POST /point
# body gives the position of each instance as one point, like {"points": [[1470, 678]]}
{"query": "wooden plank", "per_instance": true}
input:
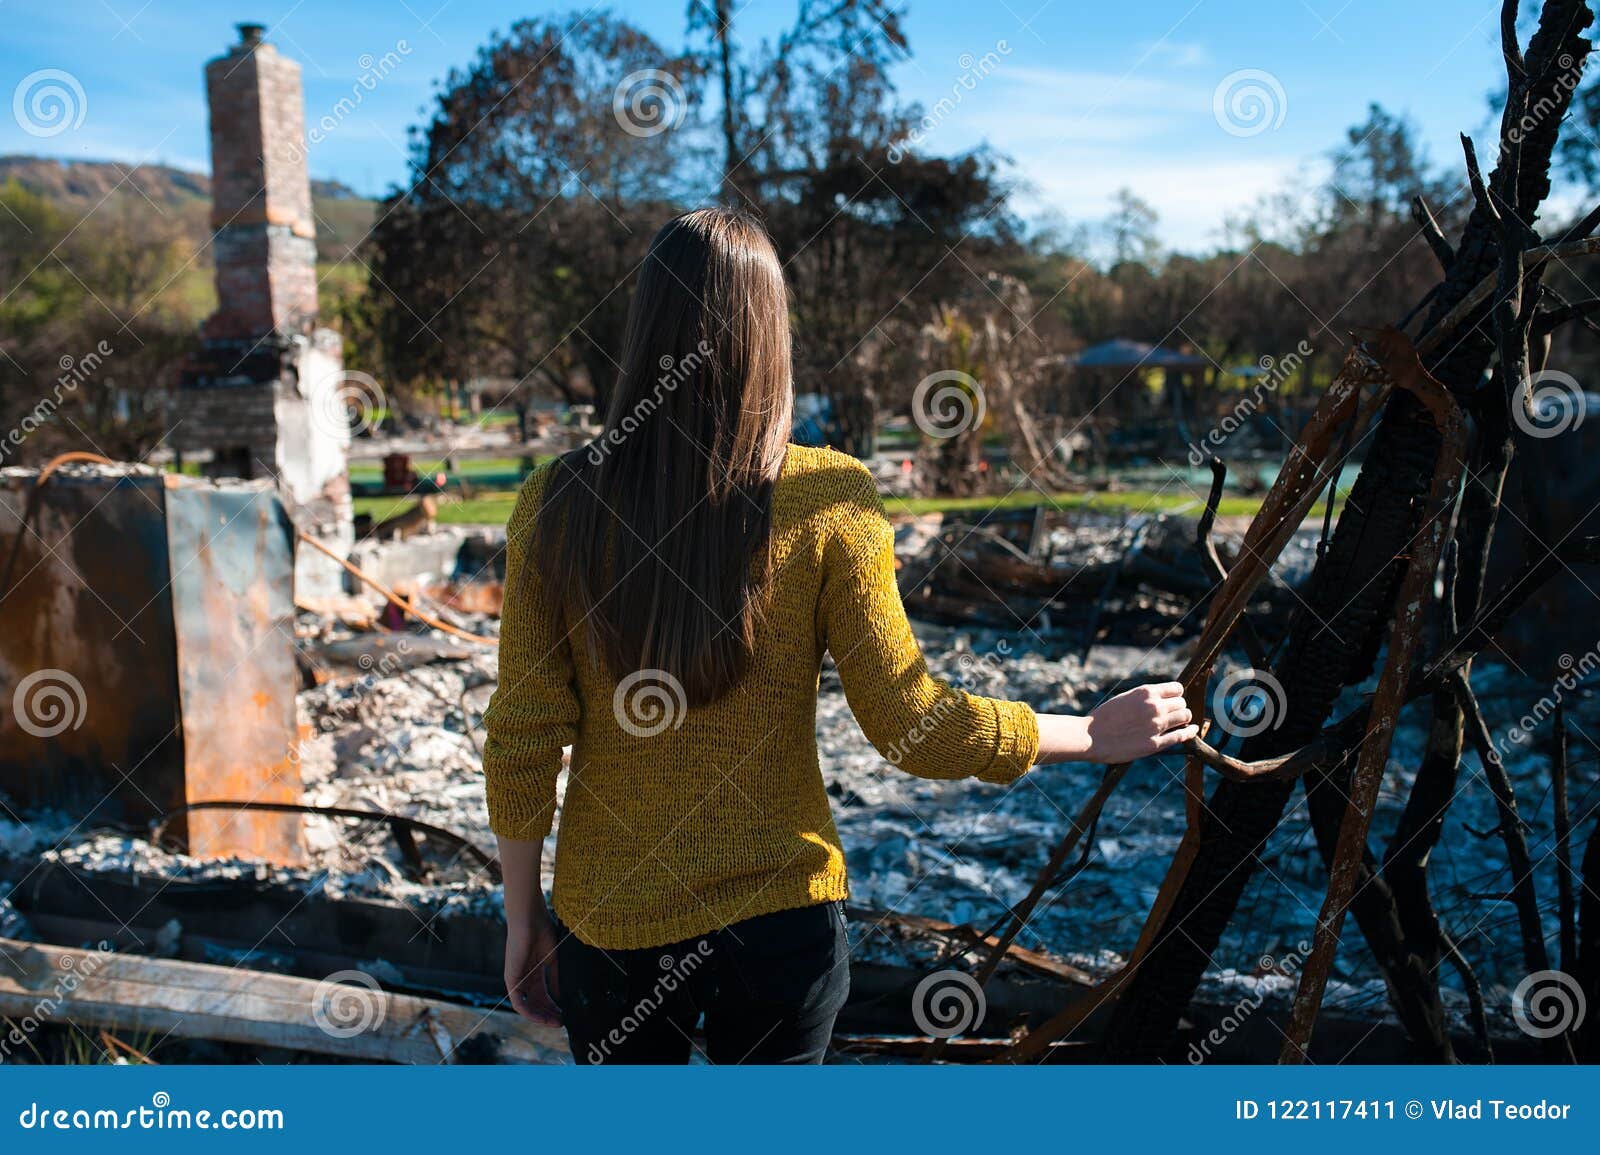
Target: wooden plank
{"points": [[454, 954], [198, 1000]]}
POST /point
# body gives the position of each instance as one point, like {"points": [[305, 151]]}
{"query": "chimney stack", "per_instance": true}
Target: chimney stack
{"points": [[265, 234], [264, 394]]}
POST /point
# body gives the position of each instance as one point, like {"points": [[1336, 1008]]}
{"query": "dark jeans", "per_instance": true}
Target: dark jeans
{"points": [[769, 988]]}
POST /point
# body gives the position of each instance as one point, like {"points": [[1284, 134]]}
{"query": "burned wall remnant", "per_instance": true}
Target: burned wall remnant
{"points": [[266, 395], [150, 646]]}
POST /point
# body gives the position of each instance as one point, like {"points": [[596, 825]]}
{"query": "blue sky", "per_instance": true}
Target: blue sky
{"points": [[1085, 97]]}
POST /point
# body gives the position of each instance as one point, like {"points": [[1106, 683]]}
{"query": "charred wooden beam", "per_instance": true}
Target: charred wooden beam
{"points": [[1352, 591], [1313, 460], [1284, 768], [1565, 909], [1249, 639], [1350, 857], [1432, 233], [1534, 955], [1421, 825], [1587, 968]]}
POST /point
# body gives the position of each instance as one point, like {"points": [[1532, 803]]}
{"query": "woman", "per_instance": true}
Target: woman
{"points": [[671, 590]]}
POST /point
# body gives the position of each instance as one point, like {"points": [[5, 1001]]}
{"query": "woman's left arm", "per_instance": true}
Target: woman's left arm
{"points": [[932, 729]]}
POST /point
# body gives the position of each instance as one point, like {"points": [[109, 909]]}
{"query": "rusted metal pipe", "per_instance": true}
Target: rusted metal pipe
{"points": [[395, 822]]}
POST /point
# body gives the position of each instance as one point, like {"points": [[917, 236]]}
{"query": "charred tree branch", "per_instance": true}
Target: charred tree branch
{"points": [[1535, 957], [1432, 233]]}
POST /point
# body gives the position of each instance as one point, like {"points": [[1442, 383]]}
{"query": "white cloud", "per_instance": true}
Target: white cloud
{"points": [[1191, 54], [1193, 196], [1087, 133]]}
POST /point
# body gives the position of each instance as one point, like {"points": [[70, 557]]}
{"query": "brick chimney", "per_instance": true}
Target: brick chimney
{"points": [[265, 234], [263, 395]]}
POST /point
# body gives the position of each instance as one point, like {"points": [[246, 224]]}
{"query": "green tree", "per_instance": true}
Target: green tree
{"points": [[536, 185]]}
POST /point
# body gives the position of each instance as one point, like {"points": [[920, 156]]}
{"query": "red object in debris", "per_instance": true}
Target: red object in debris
{"points": [[392, 617], [905, 466]]}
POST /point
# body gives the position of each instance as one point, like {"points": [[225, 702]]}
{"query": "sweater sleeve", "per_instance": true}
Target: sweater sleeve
{"points": [[534, 710], [924, 726]]}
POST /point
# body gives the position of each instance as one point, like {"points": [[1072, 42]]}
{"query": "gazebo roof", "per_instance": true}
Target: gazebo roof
{"points": [[1125, 354]]}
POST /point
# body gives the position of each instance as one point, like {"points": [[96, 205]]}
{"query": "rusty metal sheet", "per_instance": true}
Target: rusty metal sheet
{"points": [[88, 685], [230, 549], [146, 655]]}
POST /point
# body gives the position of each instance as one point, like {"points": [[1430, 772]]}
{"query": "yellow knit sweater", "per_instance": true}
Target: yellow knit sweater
{"points": [[675, 824]]}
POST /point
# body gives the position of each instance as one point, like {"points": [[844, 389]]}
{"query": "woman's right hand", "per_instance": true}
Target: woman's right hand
{"points": [[1139, 722], [530, 956], [530, 932]]}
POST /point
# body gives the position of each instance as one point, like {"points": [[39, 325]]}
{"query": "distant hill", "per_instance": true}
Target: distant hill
{"points": [[77, 187]]}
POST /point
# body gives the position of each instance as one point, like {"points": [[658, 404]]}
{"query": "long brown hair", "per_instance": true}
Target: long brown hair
{"points": [[655, 535]]}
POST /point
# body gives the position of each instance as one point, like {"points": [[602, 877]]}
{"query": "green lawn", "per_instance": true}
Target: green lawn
{"points": [[495, 508], [1122, 501], [470, 468], [484, 509]]}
